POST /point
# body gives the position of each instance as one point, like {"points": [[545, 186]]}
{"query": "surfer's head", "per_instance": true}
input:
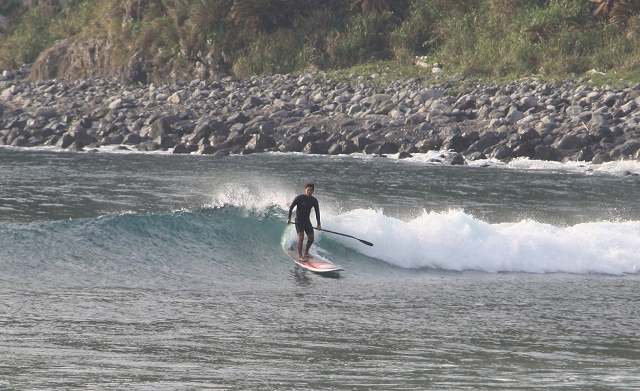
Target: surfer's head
{"points": [[309, 188]]}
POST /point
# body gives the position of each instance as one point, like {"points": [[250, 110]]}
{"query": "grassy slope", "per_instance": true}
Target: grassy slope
{"points": [[483, 39]]}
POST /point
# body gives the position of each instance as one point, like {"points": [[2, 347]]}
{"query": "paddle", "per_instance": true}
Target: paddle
{"points": [[349, 236], [338, 233]]}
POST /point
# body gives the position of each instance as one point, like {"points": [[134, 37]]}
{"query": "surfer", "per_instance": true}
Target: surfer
{"points": [[303, 204]]}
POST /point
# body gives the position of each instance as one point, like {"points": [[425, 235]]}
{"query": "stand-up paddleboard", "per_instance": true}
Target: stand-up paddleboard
{"points": [[314, 264]]}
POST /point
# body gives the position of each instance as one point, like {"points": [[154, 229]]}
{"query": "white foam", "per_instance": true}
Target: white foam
{"points": [[618, 167], [257, 197], [457, 241]]}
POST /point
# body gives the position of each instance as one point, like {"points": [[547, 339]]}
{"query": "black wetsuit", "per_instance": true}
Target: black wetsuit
{"points": [[303, 206]]}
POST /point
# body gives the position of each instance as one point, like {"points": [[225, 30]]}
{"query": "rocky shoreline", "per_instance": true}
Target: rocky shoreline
{"points": [[566, 121]]}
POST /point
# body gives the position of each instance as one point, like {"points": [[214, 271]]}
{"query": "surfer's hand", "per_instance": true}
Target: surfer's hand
{"points": [[288, 221], [319, 227]]}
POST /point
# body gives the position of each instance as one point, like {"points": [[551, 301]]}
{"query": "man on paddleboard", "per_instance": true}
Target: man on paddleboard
{"points": [[303, 204]]}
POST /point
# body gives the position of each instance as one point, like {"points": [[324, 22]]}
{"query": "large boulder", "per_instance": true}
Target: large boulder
{"points": [[291, 145], [261, 142], [388, 147], [572, 141], [163, 126]]}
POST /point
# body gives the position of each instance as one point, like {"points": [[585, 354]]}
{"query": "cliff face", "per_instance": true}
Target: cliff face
{"points": [[75, 59], [82, 59]]}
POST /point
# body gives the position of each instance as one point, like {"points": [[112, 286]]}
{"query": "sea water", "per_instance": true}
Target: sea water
{"points": [[127, 271]]}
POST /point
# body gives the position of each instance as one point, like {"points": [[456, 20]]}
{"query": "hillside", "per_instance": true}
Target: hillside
{"points": [[142, 41]]}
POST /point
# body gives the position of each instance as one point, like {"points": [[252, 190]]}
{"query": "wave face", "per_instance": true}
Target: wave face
{"points": [[230, 244], [132, 248]]}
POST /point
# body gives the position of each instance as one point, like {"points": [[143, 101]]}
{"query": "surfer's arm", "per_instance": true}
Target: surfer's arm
{"points": [[293, 204], [316, 207]]}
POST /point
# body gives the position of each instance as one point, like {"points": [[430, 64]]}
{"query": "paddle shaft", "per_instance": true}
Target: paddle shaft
{"points": [[349, 236]]}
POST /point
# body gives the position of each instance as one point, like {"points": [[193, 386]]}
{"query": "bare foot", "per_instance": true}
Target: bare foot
{"points": [[307, 255]]}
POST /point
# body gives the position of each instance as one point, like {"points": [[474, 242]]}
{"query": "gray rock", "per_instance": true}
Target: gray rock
{"points": [[291, 145], [131, 139], [317, 148], [238, 118], [502, 152], [544, 152], [163, 126], [514, 115], [65, 141], [625, 150], [80, 136], [261, 142], [484, 142], [572, 141], [601, 157], [348, 147], [456, 159], [388, 147], [113, 138], [47, 112], [455, 143]]}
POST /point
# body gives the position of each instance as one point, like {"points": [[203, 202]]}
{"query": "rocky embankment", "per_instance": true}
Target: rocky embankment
{"points": [[300, 113]]}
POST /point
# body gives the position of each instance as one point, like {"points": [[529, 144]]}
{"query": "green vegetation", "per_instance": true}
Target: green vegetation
{"points": [[483, 39]]}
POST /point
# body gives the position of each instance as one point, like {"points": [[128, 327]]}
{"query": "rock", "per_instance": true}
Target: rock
{"points": [[514, 115], [47, 112], [348, 147], [601, 157], [65, 141], [572, 141], [415, 119], [163, 126], [166, 141], [388, 147], [261, 142], [180, 148], [238, 118], [543, 152], [291, 145], [114, 138], [455, 159], [335, 149], [625, 150], [207, 150], [80, 136], [116, 104], [501, 153], [253, 101], [585, 155], [177, 98], [184, 127], [431, 94], [317, 148], [455, 143], [475, 156], [487, 141], [131, 139]]}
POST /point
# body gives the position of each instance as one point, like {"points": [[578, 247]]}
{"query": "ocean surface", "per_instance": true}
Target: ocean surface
{"points": [[131, 271]]}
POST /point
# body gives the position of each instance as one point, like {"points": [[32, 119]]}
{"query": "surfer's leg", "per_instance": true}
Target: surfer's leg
{"points": [[310, 238], [300, 240]]}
